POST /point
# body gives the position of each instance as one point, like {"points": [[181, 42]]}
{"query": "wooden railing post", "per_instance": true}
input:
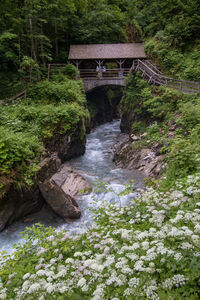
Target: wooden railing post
{"points": [[49, 66], [181, 85]]}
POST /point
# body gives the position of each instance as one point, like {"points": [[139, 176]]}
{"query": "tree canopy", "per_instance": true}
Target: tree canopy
{"points": [[43, 30]]}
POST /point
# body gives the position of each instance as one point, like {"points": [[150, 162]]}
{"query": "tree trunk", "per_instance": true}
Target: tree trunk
{"points": [[33, 50], [42, 46], [56, 39]]}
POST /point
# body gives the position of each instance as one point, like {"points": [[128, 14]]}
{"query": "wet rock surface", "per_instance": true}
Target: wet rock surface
{"points": [[72, 183], [147, 160], [59, 192]]}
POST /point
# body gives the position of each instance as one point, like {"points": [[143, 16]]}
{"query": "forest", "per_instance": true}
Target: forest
{"points": [[36, 32], [149, 249]]}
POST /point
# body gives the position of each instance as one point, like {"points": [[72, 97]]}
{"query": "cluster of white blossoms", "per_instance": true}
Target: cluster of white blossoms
{"points": [[141, 251], [3, 290]]}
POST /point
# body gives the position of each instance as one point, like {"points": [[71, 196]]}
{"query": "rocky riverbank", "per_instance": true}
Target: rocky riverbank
{"points": [[129, 153], [18, 202]]}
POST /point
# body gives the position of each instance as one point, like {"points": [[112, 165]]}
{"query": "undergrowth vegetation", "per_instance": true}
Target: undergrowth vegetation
{"points": [[169, 119], [148, 250], [183, 64], [26, 126]]}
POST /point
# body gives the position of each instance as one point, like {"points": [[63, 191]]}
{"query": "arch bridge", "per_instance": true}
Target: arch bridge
{"points": [[108, 64], [105, 64], [92, 78]]}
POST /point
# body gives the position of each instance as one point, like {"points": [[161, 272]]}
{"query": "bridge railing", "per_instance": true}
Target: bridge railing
{"points": [[20, 95], [156, 77], [108, 73]]}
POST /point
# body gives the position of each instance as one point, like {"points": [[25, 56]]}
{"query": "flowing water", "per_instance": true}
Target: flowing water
{"points": [[95, 164]]}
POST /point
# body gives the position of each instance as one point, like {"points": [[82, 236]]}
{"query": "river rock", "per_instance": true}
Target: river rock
{"points": [[59, 192], [63, 204], [134, 137], [18, 203], [147, 160]]}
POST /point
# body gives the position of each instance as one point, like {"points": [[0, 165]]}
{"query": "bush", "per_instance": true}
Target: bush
{"points": [[183, 155], [54, 92], [190, 114], [28, 124], [71, 72]]}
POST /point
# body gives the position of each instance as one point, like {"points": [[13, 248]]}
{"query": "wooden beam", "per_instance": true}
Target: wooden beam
{"points": [[120, 62]]}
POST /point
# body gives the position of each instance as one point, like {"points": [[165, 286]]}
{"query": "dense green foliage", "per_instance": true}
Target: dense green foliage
{"points": [[25, 126], [36, 32], [160, 112]]}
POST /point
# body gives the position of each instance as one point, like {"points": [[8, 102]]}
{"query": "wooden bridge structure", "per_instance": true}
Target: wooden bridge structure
{"points": [[128, 58], [109, 64]]}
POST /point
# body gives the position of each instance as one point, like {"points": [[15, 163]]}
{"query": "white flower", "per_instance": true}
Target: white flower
{"points": [[197, 228], [145, 245], [49, 288], [26, 276], [178, 256], [41, 273], [78, 254], [186, 246], [3, 296], [51, 238], [138, 265], [127, 292], [125, 234], [178, 280], [53, 260], [69, 260], [132, 256], [11, 275], [134, 282], [98, 293], [96, 267], [41, 251], [34, 288], [84, 288], [81, 282], [168, 284], [26, 285]]}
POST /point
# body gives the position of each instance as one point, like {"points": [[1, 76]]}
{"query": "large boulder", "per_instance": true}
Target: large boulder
{"points": [[59, 192], [17, 203]]}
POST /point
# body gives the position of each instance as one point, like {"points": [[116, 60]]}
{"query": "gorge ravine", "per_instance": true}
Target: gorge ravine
{"points": [[95, 164]]}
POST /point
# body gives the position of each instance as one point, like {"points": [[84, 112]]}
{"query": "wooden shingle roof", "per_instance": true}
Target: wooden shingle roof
{"points": [[107, 51]]}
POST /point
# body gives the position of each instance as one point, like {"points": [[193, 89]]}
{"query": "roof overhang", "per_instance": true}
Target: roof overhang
{"points": [[107, 51]]}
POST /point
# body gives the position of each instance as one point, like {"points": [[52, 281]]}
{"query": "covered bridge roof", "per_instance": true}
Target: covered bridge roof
{"points": [[107, 51]]}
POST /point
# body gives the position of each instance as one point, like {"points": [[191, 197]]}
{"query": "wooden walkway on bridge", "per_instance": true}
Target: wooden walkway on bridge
{"points": [[92, 79]]}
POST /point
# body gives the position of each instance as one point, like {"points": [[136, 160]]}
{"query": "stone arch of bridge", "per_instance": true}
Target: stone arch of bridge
{"points": [[90, 85]]}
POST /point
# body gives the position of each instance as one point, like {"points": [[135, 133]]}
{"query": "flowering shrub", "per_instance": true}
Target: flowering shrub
{"points": [[149, 250]]}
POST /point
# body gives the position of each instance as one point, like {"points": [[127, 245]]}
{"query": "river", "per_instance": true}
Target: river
{"points": [[95, 164]]}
